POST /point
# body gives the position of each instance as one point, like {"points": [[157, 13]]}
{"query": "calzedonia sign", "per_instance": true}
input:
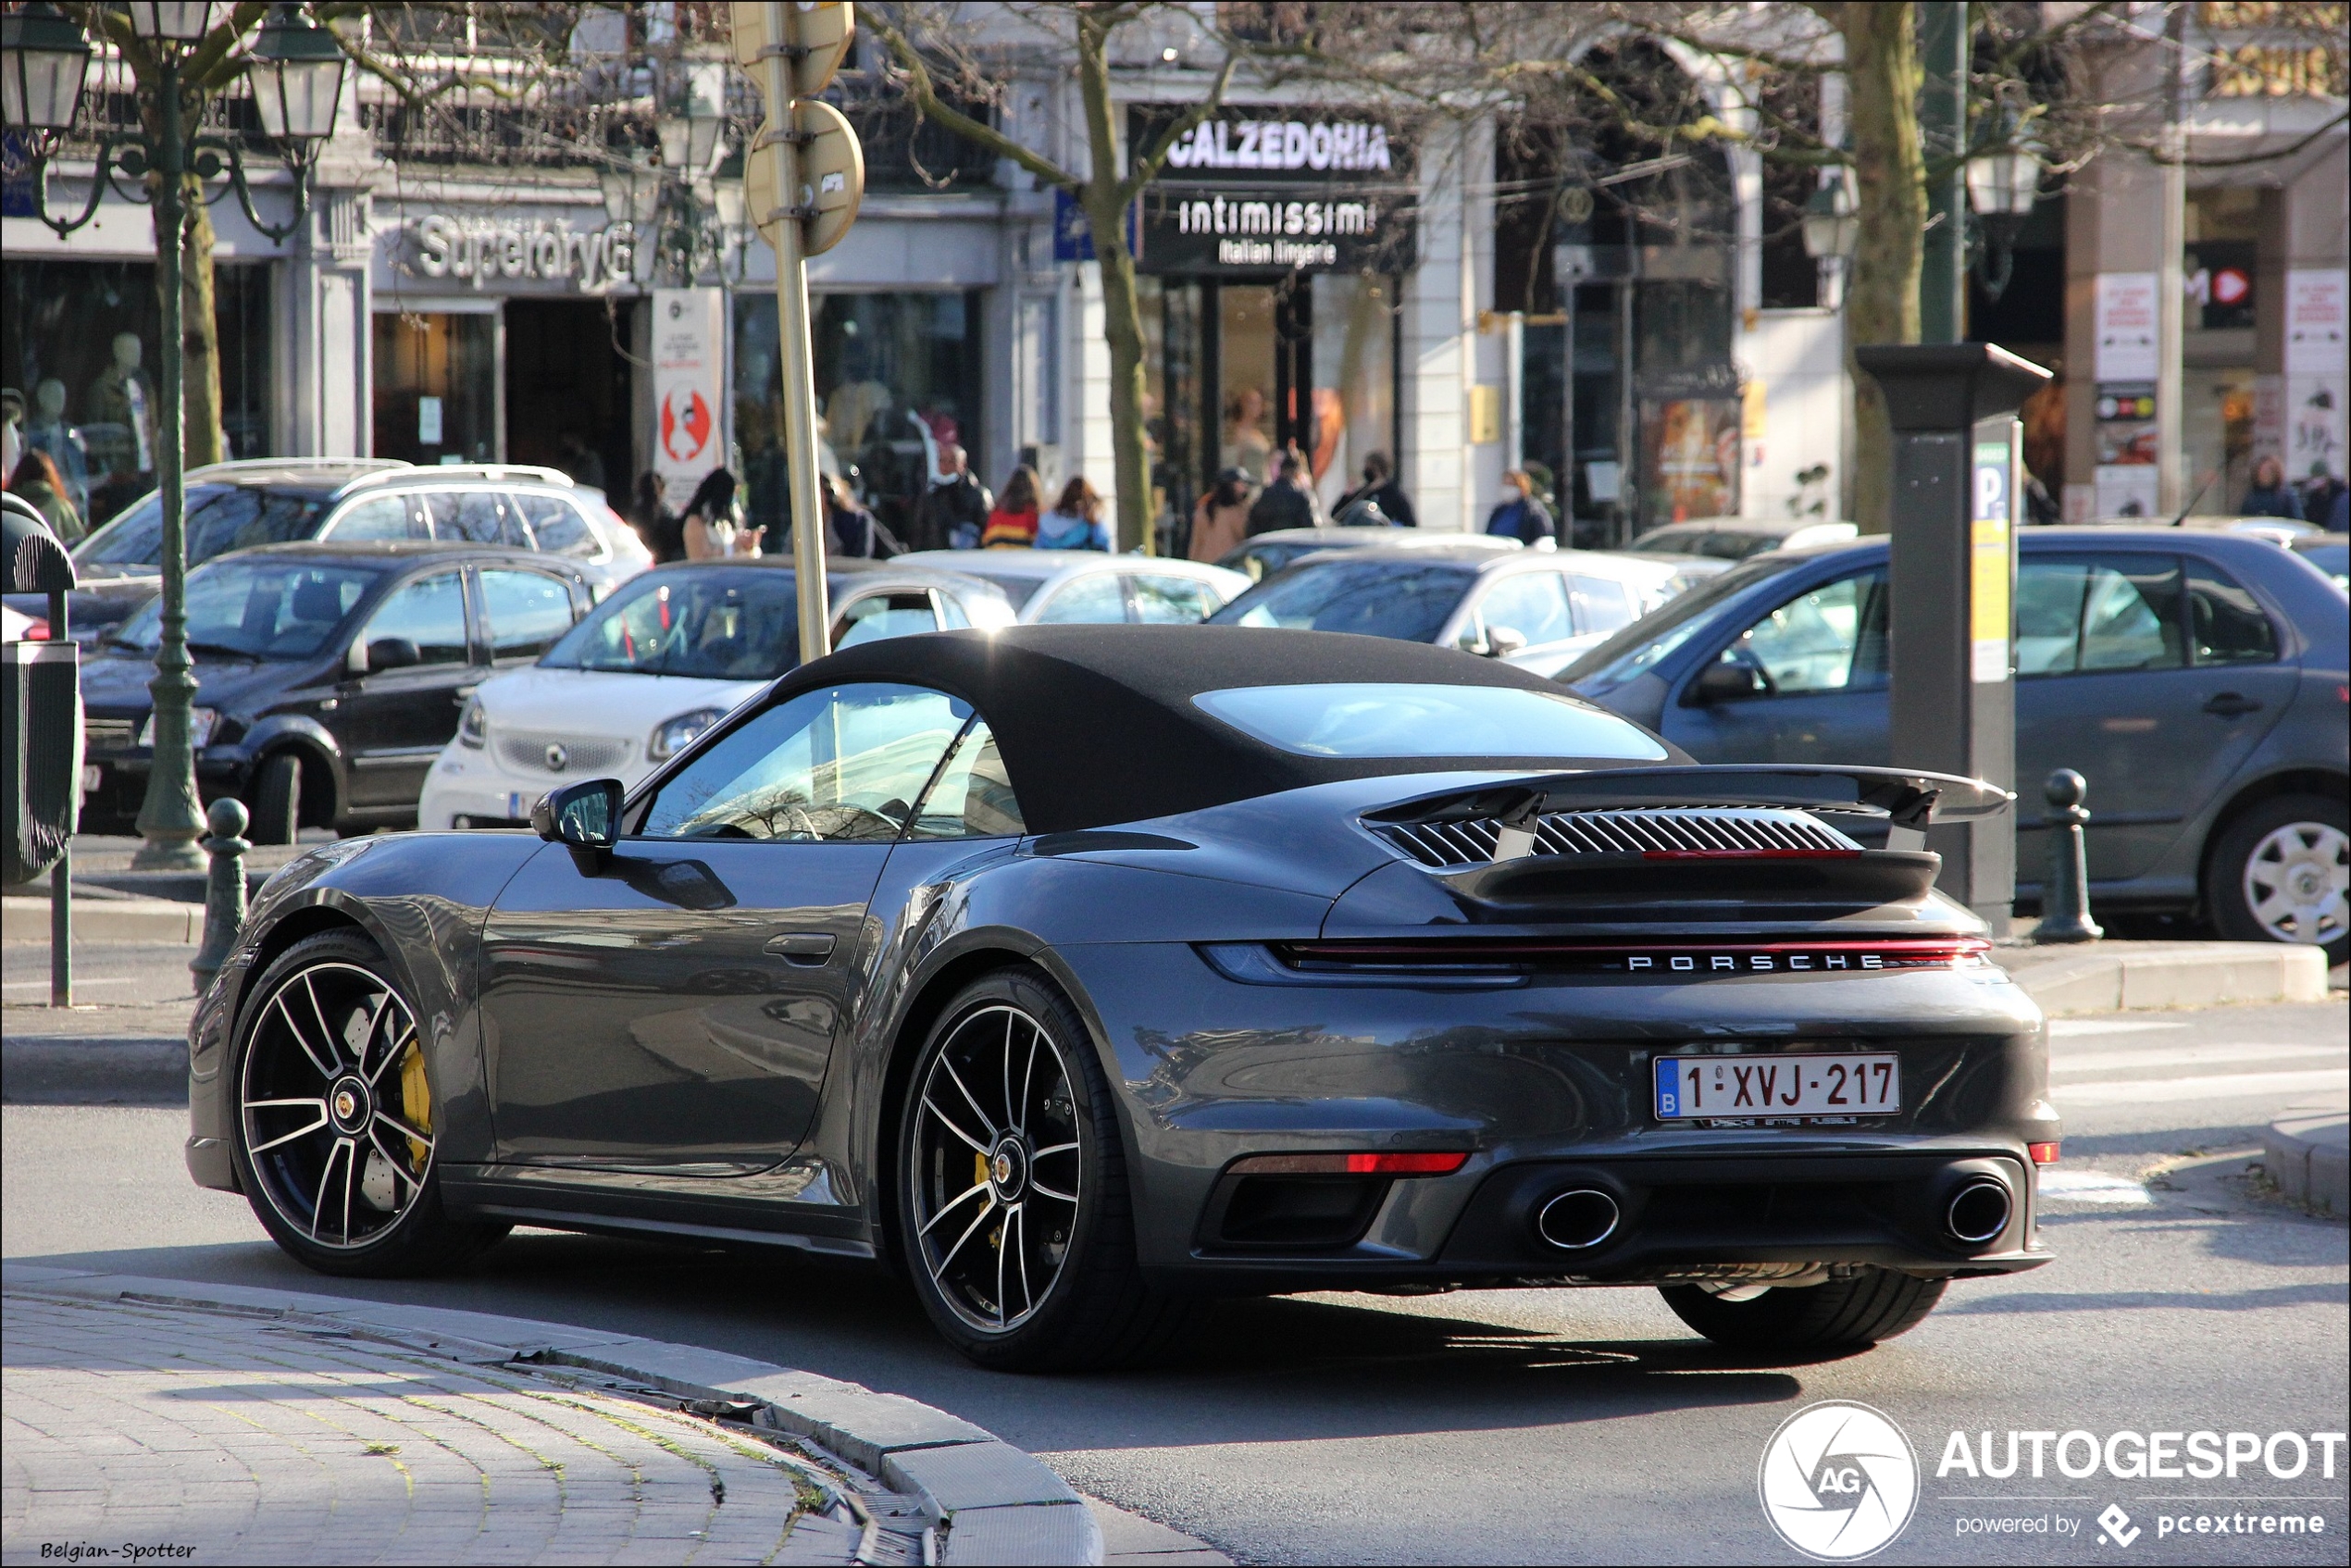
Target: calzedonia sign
{"points": [[1270, 189]]}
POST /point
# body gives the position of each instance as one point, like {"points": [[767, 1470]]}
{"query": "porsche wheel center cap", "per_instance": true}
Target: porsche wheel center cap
{"points": [[347, 1104], [1008, 1169]]}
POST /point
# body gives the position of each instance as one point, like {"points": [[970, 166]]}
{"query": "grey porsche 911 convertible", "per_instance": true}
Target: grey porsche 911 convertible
{"points": [[1086, 974]]}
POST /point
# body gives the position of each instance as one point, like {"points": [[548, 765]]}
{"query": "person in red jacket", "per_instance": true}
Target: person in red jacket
{"points": [[1013, 524]]}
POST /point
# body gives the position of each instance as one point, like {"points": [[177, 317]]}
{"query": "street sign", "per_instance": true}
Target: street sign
{"points": [[820, 33], [832, 177]]}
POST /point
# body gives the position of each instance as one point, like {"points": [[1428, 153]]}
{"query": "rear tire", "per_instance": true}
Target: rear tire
{"points": [[1842, 1314], [2278, 875], [277, 799], [332, 1122], [1014, 1219]]}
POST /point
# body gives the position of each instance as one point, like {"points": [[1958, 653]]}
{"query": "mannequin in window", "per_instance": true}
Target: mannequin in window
{"points": [[47, 431], [122, 396]]}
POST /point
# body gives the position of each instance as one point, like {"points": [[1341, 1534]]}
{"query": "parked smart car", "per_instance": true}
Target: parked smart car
{"points": [[2196, 680], [1264, 555], [278, 500], [1087, 587], [328, 676], [1536, 609], [663, 660]]}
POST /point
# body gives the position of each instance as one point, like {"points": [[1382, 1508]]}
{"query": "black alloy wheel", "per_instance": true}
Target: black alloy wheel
{"points": [[1840, 1315], [334, 1135], [1012, 1204]]}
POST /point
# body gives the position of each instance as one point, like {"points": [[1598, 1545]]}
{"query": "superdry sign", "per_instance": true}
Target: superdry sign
{"points": [[1259, 190]]}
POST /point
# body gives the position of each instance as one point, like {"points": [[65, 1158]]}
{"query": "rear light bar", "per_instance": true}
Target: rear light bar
{"points": [[1642, 958], [2043, 1153], [1349, 1164]]}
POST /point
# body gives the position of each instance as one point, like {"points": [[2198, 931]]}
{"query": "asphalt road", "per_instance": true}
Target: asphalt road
{"points": [[1529, 1426]]}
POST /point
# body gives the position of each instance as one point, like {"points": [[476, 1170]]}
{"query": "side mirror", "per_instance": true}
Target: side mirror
{"points": [[1721, 683], [1501, 641], [384, 653], [585, 817]]}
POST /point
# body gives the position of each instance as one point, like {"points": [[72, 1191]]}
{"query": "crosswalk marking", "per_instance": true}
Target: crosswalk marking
{"points": [[2094, 1186], [2190, 1056], [2225, 1086]]}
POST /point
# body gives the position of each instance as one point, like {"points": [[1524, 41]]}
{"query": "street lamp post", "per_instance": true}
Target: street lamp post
{"points": [[295, 71]]}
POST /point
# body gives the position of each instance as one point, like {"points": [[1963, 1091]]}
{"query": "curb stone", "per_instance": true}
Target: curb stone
{"points": [[978, 1499], [100, 1070], [26, 920], [2303, 1151]]}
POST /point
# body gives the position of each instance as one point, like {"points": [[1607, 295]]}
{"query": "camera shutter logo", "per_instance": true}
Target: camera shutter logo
{"points": [[1838, 1481]]}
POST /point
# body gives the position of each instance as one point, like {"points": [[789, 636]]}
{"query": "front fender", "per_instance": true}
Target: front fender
{"points": [[275, 731]]}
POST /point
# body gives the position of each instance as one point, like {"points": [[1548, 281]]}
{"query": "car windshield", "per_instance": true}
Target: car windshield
{"points": [[1401, 598], [720, 624], [221, 518], [257, 609], [1642, 645], [1361, 719], [2331, 557], [1719, 545]]}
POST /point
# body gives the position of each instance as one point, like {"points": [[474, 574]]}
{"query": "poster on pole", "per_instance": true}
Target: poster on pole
{"points": [[2126, 327], [690, 440]]}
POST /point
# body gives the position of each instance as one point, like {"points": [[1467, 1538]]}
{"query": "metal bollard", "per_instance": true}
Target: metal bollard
{"points": [[2065, 888], [224, 896]]}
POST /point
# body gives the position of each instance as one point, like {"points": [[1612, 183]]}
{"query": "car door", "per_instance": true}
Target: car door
{"points": [[393, 720], [524, 613], [1809, 686], [1166, 599], [1532, 604], [2152, 676], [477, 516], [674, 1006], [1094, 599], [891, 612]]}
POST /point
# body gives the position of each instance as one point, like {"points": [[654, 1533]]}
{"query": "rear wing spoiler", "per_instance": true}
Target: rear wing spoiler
{"points": [[1907, 798]]}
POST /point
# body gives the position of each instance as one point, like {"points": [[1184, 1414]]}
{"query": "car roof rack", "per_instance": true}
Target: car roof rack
{"points": [[524, 471], [264, 464]]}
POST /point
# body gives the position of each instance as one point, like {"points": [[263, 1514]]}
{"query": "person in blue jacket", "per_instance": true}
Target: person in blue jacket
{"points": [[1519, 515]]}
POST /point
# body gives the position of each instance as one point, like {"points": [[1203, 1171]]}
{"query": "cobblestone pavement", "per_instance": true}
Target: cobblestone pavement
{"points": [[256, 1440]]}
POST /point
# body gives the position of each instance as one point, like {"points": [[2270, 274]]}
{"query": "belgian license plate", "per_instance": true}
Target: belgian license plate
{"points": [[1690, 1086]]}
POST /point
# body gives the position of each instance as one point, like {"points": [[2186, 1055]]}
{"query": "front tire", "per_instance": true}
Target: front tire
{"points": [[334, 1133], [1013, 1215], [1842, 1314], [2279, 873], [277, 799]]}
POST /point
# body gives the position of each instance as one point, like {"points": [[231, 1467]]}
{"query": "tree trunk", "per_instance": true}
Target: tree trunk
{"points": [[1882, 298], [1122, 317], [199, 337]]}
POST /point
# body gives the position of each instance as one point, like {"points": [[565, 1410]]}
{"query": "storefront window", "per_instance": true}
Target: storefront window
{"points": [[78, 339], [1171, 312], [1354, 379], [897, 380], [1245, 360], [436, 387]]}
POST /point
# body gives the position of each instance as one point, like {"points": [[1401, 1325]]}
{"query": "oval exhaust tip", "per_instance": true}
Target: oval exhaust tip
{"points": [[1979, 1211], [1577, 1219]]}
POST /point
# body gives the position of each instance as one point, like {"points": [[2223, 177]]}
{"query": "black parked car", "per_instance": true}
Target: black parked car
{"points": [[1082, 972], [2195, 678], [329, 676]]}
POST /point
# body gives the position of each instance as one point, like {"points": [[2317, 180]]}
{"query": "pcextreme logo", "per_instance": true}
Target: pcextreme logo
{"points": [[1838, 1481]]}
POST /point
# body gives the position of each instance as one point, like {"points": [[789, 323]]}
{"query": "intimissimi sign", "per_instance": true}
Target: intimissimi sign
{"points": [[1254, 190]]}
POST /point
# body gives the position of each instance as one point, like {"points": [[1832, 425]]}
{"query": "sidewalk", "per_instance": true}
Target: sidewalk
{"points": [[269, 1426]]}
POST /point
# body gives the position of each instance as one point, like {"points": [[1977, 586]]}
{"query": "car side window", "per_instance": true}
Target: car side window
{"points": [[2081, 614], [1532, 604], [477, 516], [381, 516], [883, 614], [972, 797], [1173, 601], [1830, 638], [845, 764], [429, 612], [1602, 603], [528, 610], [558, 526], [1097, 599], [2227, 623]]}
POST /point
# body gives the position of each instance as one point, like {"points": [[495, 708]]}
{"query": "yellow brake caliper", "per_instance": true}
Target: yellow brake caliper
{"points": [[416, 1099], [979, 1178]]}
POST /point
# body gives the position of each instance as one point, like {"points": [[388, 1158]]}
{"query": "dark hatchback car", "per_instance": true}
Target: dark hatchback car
{"points": [[329, 676], [2197, 680]]}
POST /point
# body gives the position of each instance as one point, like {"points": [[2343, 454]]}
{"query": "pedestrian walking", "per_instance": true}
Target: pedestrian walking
{"points": [[1379, 489], [1220, 520], [1075, 521], [2270, 495], [2320, 493], [714, 523], [1519, 515], [851, 527], [1287, 503], [661, 530], [1012, 524], [37, 482], [953, 512]]}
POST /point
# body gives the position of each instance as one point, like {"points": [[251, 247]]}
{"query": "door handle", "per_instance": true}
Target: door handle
{"points": [[2229, 704], [811, 948]]}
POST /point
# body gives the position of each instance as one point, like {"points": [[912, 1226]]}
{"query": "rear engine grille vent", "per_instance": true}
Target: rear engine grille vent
{"points": [[1670, 830]]}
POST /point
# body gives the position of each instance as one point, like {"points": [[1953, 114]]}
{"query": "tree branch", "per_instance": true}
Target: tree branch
{"points": [[927, 99]]}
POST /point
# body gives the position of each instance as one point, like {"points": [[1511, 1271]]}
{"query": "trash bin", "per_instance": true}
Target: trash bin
{"points": [[43, 702]]}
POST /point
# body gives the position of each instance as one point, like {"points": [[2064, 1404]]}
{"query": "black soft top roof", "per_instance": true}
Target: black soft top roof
{"points": [[1097, 725]]}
